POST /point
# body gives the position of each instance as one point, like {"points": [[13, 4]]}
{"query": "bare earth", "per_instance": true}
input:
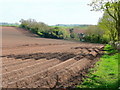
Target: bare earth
{"points": [[33, 62]]}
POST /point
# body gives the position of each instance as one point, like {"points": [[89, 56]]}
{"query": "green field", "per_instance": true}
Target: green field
{"points": [[10, 25], [67, 27]]}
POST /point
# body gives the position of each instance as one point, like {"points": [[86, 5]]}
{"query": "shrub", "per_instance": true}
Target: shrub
{"points": [[57, 33], [33, 26], [110, 49], [44, 30], [95, 35]]}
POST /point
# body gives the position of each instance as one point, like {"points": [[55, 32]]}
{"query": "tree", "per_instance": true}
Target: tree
{"points": [[107, 23], [71, 30], [107, 6], [95, 34], [72, 33], [33, 25]]}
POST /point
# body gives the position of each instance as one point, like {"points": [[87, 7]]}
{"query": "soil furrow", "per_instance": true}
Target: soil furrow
{"points": [[29, 64], [56, 80], [45, 73], [59, 76], [18, 65], [6, 60], [17, 62], [28, 71]]}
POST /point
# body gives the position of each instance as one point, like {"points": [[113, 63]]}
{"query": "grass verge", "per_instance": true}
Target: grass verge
{"points": [[105, 72]]}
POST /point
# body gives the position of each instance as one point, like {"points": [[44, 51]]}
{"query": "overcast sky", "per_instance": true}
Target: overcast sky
{"points": [[49, 11]]}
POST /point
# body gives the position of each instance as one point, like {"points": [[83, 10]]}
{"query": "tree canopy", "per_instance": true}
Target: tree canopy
{"points": [[112, 8]]}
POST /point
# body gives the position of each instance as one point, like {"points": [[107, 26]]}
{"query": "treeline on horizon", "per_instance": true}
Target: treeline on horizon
{"points": [[43, 30], [61, 25], [8, 24], [92, 33], [106, 31]]}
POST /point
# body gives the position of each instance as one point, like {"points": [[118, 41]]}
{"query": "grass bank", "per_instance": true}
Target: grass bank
{"points": [[105, 72]]}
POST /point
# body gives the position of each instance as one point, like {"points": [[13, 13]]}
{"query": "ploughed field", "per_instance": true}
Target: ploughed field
{"points": [[32, 62]]}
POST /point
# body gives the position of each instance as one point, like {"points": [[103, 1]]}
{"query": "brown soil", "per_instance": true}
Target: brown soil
{"points": [[33, 62]]}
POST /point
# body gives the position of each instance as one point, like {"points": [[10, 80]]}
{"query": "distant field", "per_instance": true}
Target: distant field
{"points": [[80, 27], [77, 29], [9, 25]]}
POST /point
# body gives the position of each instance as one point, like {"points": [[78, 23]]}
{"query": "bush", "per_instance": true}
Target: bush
{"points": [[33, 26], [95, 39], [57, 33], [115, 44], [110, 49], [96, 35], [44, 30]]}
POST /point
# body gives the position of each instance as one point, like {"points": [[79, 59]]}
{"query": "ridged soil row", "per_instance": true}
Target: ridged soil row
{"points": [[6, 60], [86, 51], [14, 62], [29, 70], [22, 68], [59, 77], [18, 65], [28, 80]]}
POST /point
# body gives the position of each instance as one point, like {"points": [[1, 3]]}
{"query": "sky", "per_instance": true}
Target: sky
{"points": [[50, 12]]}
